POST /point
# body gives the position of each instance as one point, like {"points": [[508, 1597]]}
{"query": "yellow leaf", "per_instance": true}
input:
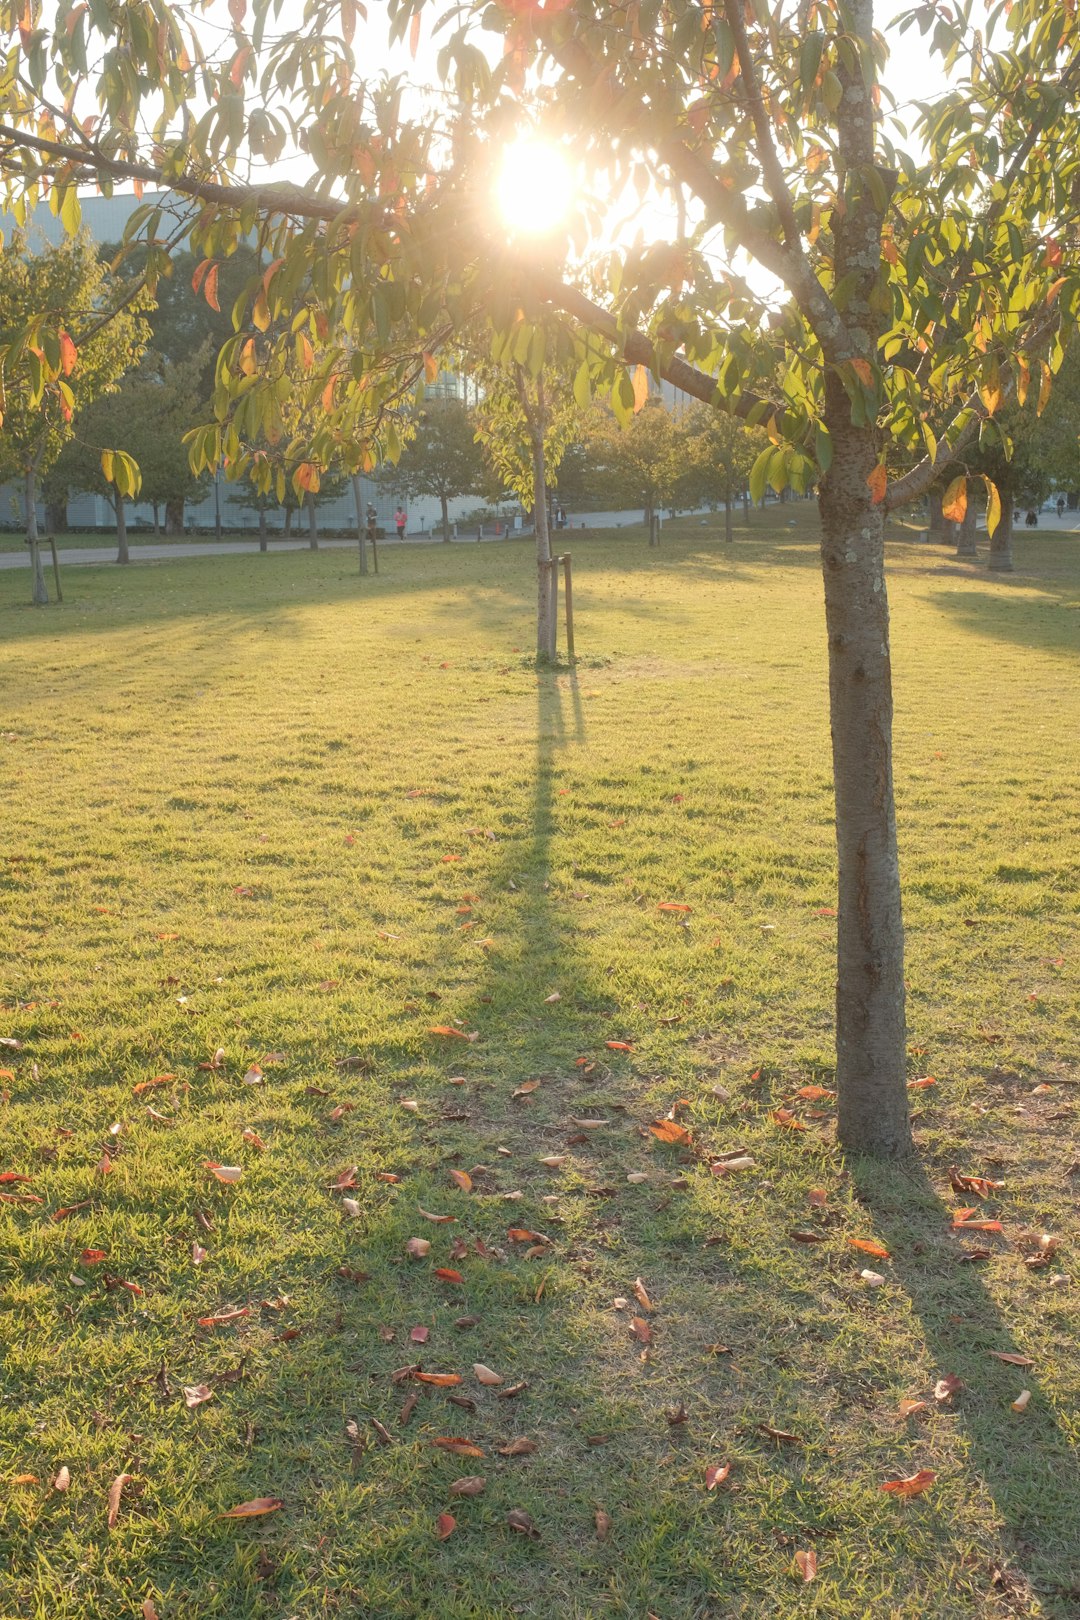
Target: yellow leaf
{"points": [[1044, 388], [993, 506], [954, 500], [1023, 381], [641, 387]]}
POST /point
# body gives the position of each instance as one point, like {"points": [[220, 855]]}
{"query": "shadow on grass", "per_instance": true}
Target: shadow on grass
{"points": [[1026, 1462]]}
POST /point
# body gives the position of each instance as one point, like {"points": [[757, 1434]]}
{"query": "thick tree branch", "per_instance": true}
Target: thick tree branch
{"points": [[792, 268], [775, 184]]}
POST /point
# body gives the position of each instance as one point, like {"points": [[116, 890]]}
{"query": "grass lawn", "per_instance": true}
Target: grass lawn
{"points": [[257, 804]]}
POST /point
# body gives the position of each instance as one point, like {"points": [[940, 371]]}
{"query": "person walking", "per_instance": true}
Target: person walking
{"points": [[401, 518]]}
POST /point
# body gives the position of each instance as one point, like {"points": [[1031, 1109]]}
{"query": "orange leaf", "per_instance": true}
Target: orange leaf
{"points": [[210, 288], [641, 1329], [148, 1085], [448, 1274], [470, 1485], [669, 1130], [877, 482], [962, 1222], [807, 1562], [716, 1475], [437, 1220], [784, 1117], [414, 35], [640, 379], [228, 1173], [115, 1491], [439, 1380], [92, 1257], [908, 1408], [618, 1046], [913, 1485], [673, 905], [448, 1029], [224, 1316], [460, 1448], [445, 1525], [252, 1510], [818, 1197], [461, 1179], [864, 371], [814, 1093], [869, 1247], [1013, 1360], [954, 501], [69, 354], [431, 368]]}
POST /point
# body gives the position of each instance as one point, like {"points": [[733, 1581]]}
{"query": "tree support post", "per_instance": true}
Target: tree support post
{"points": [[568, 597], [55, 566]]}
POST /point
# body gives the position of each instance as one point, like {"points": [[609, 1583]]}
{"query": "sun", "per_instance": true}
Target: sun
{"points": [[534, 187]]}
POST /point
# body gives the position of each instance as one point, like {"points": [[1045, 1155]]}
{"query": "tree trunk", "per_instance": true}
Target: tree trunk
{"points": [[39, 589], [122, 553], [746, 503], [313, 524], [55, 516], [288, 522], [728, 531], [965, 533], [545, 574], [361, 522], [174, 517], [157, 517], [445, 518], [1001, 560], [262, 529], [870, 1045], [936, 528]]}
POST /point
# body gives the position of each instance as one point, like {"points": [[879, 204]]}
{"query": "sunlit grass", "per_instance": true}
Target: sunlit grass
{"points": [[272, 760]]}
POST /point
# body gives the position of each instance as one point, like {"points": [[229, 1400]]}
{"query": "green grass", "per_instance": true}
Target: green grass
{"points": [[227, 752]]}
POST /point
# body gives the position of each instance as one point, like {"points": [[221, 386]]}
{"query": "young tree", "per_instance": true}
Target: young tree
{"points": [[719, 452], [442, 458], [915, 286], [645, 459], [67, 339]]}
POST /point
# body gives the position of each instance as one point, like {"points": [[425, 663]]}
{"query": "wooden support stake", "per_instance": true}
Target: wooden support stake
{"points": [[568, 591], [55, 567]]}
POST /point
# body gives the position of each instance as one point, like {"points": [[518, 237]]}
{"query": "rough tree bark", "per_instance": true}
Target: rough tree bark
{"points": [[174, 517], [872, 1104], [39, 590], [1001, 559], [122, 553], [965, 533]]}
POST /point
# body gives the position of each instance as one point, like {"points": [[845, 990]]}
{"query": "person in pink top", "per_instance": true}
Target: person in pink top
{"points": [[401, 517]]}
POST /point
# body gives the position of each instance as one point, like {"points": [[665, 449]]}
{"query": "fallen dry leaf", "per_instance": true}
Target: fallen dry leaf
{"points": [[468, 1485], [913, 1485], [603, 1524], [1011, 1358], [521, 1521], [93, 1257], [908, 1408], [868, 1246], [149, 1612], [784, 1117], [641, 1329], [197, 1395], [807, 1562], [554, 1160], [253, 1509], [669, 1130], [782, 1436], [445, 1525], [417, 1248], [115, 1492], [979, 1185], [252, 1136], [351, 1208], [526, 1088], [448, 1274], [224, 1316], [716, 1474], [461, 1179], [1021, 1401], [148, 1085], [438, 1380], [419, 1335], [641, 1296], [459, 1446], [818, 1197], [484, 1375], [962, 1222], [228, 1173], [517, 1448], [618, 1046], [673, 905], [62, 1478]]}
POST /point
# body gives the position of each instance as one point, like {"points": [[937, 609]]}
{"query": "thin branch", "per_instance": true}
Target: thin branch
{"points": [[775, 183]]}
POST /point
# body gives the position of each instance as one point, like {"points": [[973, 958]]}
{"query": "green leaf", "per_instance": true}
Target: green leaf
{"points": [[758, 473], [582, 389]]}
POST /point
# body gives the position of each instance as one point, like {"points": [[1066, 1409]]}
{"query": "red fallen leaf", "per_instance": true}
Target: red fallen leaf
{"points": [[524, 1234], [716, 1474], [468, 1485], [979, 1185], [118, 1282], [448, 1274], [229, 1173], [868, 1246], [439, 1380], [148, 1085], [459, 1446], [445, 1525], [818, 1197], [345, 1180], [641, 1295], [511, 1391], [784, 1117], [922, 1083], [69, 1209], [197, 1395], [21, 1198], [618, 1046], [526, 1087], [669, 1130], [947, 1387], [641, 1329], [149, 1612], [386, 1175], [814, 1093], [673, 905], [970, 1255], [913, 1485], [92, 1257], [438, 1220], [825, 911], [224, 1316], [521, 1521], [1013, 1360], [962, 1222], [253, 1509], [461, 1179], [808, 1237], [448, 1029], [807, 1562], [115, 1492], [419, 1335], [8, 1176]]}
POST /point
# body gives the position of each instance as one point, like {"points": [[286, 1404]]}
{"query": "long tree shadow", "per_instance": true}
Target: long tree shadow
{"points": [[1027, 1462]]}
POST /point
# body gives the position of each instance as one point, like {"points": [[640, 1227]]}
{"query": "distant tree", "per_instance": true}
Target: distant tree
{"points": [[644, 459], [718, 452], [89, 330], [442, 458]]}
